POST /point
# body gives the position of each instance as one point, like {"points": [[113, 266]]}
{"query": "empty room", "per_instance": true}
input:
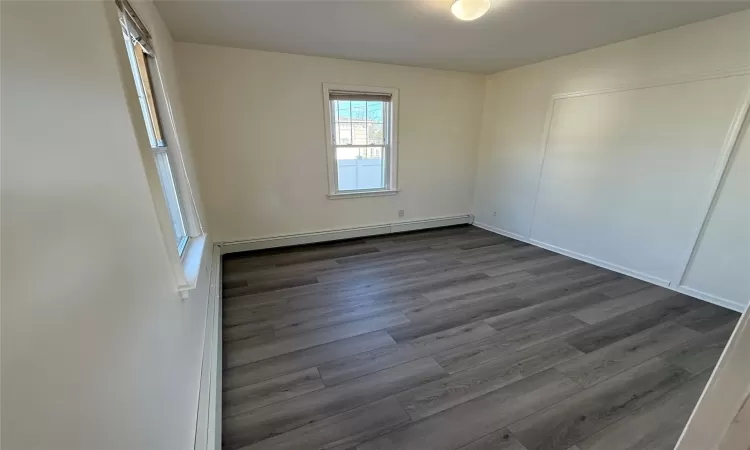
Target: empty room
{"points": [[374, 224]]}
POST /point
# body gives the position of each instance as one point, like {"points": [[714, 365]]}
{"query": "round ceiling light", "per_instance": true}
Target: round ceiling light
{"points": [[470, 9]]}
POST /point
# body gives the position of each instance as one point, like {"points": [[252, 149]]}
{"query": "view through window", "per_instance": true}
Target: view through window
{"points": [[360, 135]]}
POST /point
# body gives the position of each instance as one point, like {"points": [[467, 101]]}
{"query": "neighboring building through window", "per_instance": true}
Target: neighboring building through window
{"points": [[143, 66], [361, 127]]}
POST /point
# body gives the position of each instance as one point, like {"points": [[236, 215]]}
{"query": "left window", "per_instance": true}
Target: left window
{"points": [[143, 67]]}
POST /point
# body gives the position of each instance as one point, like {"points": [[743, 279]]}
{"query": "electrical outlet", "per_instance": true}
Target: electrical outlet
{"points": [[494, 214], [401, 213]]}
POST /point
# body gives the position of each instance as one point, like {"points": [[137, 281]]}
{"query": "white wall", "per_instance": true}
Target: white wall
{"points": [[98, 349], [622, 204], [256, 121]]}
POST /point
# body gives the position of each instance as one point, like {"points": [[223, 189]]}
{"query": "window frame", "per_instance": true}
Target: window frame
{"points": [[143, 66], [390, 145], [187, 255], [155, 111]]}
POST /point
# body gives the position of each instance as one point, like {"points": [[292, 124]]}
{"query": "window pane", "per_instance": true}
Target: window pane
{"points": [[359, 111], [359, 133], [343, 133], [143, 86], [170, 195], [375, 112], [359, 168], [344, 109], [375, 133]]}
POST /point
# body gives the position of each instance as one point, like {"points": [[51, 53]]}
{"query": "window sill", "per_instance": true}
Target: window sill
{"points": [[343, 195], [191, 264]]}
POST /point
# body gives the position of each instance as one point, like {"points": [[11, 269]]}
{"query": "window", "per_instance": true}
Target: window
{"points": [[143, 66], [361, 137]]}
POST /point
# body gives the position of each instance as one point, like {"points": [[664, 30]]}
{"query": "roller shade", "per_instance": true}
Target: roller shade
{"points": [[134, 27], [359, 96]]}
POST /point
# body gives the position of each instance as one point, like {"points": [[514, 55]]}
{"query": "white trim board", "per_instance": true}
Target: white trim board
{"points": [[730, 138], [208, 421], [616, 268], [730, 141], [287, 240]]}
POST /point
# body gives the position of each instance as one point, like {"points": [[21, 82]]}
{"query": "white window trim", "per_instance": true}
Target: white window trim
{"points": [[186, 257], [391, 185]]}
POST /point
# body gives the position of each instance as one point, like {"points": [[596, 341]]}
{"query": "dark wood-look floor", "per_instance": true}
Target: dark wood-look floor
{"points": [[456, 338]]}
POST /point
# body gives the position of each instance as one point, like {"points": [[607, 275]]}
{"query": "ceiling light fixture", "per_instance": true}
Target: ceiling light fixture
{"points": [[470, 9]]}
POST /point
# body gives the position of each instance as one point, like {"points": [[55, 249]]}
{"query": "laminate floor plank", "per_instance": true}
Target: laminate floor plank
{"points": [[478, 285], [335, 253], [422, 235], [286, 327], [343, 289], [247, 374], [267, 273], [509, 340], [499, 440], [506, 255], [249, 333], [591, 368], [708, 317], [380, 269], [267, 286], [578, 417], [253, 396], [559, 266], [702, 352], [514, 293], [240, 352], [626, 286], [620, 305], [442, 394], [476, 418], [388, 288], [434, 324], [527, 264], [510, 286], [279, 317], [354, 366], [544, 310], [342, 431], [290, 256], [485, 242], [455, 338], [259, 424], [655, 427], [630, 323], [577, 284]]}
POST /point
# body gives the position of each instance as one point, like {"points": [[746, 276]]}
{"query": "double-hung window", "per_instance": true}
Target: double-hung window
{"points": [[361, 125], [143, 66]]}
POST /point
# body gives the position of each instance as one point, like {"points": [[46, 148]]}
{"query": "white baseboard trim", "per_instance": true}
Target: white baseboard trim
{"points": [[604, 264], [208, 424], [615, 268], [726, 303], [341, 233]]}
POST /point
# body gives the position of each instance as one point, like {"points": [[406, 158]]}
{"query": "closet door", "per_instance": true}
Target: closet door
{"points": [[627, 175], [720, 267]]}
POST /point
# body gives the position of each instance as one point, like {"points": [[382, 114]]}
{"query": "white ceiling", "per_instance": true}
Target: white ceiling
{"points": [[424, 33]]}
